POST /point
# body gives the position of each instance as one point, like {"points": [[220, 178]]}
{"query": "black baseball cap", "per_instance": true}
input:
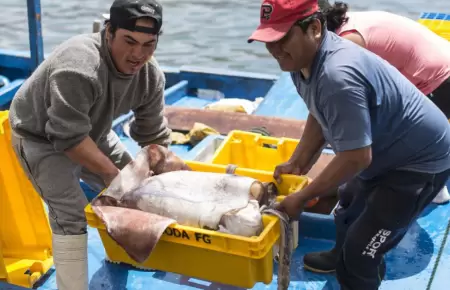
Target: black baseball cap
{"points": [[124, 14]]}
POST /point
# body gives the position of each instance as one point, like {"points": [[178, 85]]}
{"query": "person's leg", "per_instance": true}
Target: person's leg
{"points": [[351, 203], [441, 98], [54, 177], [390, 209], [112, 147]]}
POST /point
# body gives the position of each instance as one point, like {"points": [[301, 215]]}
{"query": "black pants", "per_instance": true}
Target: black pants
{"points": [[441, 97], [372, 218]]}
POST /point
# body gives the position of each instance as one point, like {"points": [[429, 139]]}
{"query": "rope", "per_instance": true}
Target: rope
{"points": [[441, 249], [260, 130], [285, 252], [231, 168], [286, 240]]}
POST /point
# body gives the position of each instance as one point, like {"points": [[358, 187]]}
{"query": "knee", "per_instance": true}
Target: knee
{"points": [[68, 221], [65, 227]]}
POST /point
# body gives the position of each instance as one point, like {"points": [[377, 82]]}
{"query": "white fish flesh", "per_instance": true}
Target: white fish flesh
{"points": [[201, 199]]}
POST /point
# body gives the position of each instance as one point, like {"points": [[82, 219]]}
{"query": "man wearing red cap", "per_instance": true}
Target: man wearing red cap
{"points": [[392, 144], [62, 117]]}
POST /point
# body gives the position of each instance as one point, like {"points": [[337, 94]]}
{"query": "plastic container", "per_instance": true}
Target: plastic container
{"points": [[437, 22], [255, 151], [25, 234], [205, 254]]}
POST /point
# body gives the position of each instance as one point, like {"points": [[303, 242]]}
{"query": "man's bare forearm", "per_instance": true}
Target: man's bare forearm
{"points": [[310, 145], [91, 157], [342, 168]]}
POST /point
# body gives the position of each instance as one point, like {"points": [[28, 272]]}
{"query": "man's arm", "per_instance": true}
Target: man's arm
{"points": [[89, 155], [349, 124], [71, 97], [150, 125], [355, 37], [308, 149]]}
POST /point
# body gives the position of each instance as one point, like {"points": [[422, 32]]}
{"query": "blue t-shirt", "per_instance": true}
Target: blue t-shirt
{"points": [[359, 99]]}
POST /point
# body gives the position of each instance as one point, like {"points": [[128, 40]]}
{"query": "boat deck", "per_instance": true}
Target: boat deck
{"points": [[409, 266]]}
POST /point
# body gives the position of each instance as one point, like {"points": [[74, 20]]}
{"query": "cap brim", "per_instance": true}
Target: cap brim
{"points": [[270, 32]]}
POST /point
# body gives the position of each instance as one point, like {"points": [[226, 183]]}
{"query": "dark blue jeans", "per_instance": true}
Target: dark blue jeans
{"points": [[441, 97], [372, 218]]}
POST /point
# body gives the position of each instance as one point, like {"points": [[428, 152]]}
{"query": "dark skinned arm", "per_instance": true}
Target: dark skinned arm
{"points": [[342, 168], [308, 149], [348, 119]]}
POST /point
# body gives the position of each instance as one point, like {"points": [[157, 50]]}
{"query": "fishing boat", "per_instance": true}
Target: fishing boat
{"points": [[420, 261]]}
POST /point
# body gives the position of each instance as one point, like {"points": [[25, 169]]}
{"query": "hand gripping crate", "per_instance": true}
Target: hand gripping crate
{"points": [[210, 255], [25, 234], [257, 152]]}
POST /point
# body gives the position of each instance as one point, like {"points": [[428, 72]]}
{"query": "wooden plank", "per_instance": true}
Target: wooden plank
{"points": [[183, 119], [320, 165]]}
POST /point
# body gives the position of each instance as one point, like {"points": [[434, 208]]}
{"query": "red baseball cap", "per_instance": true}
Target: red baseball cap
{"points": [[278, 16]]}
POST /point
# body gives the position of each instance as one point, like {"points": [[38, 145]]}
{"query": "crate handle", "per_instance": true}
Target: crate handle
{"points": [[268, 145], [272, 143]]}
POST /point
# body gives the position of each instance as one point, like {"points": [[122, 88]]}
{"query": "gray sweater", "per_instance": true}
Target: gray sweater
{"points": [[77, 92]]}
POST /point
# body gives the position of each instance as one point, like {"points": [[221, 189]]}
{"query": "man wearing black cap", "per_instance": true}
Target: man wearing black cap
{"points": [[62, 117]]}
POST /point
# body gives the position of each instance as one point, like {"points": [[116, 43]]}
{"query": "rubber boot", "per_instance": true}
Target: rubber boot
{"points": [[321, 262], [325, 261], [442, 197], [70, 260]]}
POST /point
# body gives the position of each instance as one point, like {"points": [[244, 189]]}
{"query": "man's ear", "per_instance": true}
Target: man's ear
{"points": [[315, 29], [108, 33]]}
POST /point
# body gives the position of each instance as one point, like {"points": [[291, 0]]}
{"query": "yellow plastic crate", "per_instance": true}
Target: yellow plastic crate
{"points": [[248, 150], [25, 234], [210, 255], [439, 23]]}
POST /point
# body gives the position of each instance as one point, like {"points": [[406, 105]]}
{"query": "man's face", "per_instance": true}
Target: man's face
{"points": [[130, 50], [296, 50]]}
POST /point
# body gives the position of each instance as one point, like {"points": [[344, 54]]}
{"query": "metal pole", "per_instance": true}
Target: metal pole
{"points": [[97, 25], [35, 33]]}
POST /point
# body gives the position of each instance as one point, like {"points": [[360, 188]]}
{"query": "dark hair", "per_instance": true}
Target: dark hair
{"points": [[335, 15], [304, 23], [112, 27]]}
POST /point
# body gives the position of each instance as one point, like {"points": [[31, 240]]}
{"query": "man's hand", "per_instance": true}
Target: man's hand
{"points": [[306, 152], [286, 168], [292, 205], [108, 178]]}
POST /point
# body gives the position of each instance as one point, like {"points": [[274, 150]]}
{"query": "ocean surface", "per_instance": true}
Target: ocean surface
{"points": [[209, 33]]}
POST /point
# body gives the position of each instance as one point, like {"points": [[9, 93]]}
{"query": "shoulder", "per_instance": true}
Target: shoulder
{"points": [[79, 55], [344, 69], [342, 76]]}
